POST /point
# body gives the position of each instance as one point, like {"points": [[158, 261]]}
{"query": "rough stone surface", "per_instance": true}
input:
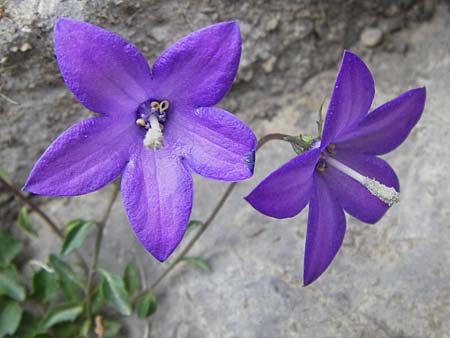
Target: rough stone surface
{"points": [[389, 280], [371, 36]]}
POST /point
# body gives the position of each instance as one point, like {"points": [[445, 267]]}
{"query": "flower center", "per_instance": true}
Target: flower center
{"points": [[386, 194], [151, 115]]}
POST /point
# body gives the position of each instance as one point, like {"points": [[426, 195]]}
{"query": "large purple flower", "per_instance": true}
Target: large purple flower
{"points": [[341, 170], [155, 126]]}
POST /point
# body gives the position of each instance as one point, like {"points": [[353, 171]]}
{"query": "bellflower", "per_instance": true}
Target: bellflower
{"points": [[154, 127], [340, 170]]}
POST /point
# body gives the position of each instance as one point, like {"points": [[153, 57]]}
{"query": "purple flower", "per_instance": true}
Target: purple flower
{"points": [[341, 170], [155, 126]]}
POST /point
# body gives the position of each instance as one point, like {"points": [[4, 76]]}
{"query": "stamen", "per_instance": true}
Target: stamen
{"points": [[386, 194], [154, 138], [140, 122]]}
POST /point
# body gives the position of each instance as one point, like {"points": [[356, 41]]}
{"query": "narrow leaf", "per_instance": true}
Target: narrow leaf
{"points": [[29, 326], [25, 224], [192, 225], [111, 329], [76, 232], [10, 315], [97, 298], [44, 286], [5, 176], [131, 278], [67, 280], [198, 262], [115, 294], [9, 248], [67, 312], [146, 305], [10, 284]]}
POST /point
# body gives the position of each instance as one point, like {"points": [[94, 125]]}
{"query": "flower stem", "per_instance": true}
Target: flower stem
{"points": [[52, 225], [263, 140], [98, 241]]}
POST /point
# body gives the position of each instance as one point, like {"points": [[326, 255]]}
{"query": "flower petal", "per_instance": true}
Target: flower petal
{"points": [[86, 157], [215, 143], [105, 72], [386, 127], [287, 190], [353, 196], [325, 233], [201, 67], [157, 195], [351, 99]]}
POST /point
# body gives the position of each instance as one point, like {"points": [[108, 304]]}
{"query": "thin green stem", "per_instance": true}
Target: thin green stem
{"points": [[98, 242], [52, 225], [263, 140]]}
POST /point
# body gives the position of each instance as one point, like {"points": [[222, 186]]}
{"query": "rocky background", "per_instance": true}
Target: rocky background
{"points": [[391, 279]]}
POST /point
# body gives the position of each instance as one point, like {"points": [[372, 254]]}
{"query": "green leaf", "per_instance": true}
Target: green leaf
{"points": [[5, 176], [111, 329], [97, 298], [25, 224], [66, 312], [192, 225], [28, 327], [10, 315], [66, 330], [44, 286], [198, 262], [67, 280], [115, 293], [146, 305], [131, 278], [76, 232], [9, 249], [10, 284]]}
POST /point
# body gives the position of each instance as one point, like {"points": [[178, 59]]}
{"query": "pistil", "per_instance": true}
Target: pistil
{"points": [[154, 138], [386, 194], [151, 115]]}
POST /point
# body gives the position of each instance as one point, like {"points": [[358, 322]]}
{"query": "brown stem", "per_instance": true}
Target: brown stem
{"points": [[98, 241], [52, 225], [263, 140]]}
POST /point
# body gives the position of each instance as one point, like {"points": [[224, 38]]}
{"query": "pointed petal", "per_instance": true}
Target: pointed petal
{"points": [[325, 233], [201, 67], [157, 195], [287, 190], [105, 72], [351, 99], [86, 157], [386, 127], [353, 196], [216, 144]]}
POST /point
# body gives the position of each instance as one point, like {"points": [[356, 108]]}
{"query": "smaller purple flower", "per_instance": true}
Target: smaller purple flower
{"points": [[155, 125], [341, 171]]}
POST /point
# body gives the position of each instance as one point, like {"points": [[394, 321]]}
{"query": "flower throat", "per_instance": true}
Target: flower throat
{"points": [[151, 115], [386, 194]]}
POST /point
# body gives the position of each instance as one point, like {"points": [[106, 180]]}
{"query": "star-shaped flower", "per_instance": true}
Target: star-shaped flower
{"points": [[341, 171], [155, 125]]}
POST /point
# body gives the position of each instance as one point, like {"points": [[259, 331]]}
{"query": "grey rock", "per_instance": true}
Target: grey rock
{"points": [[371, 36], [389, 280]]}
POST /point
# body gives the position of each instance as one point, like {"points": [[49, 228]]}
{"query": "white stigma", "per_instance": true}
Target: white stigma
{"points": [[386, 194], [154, 139]]}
